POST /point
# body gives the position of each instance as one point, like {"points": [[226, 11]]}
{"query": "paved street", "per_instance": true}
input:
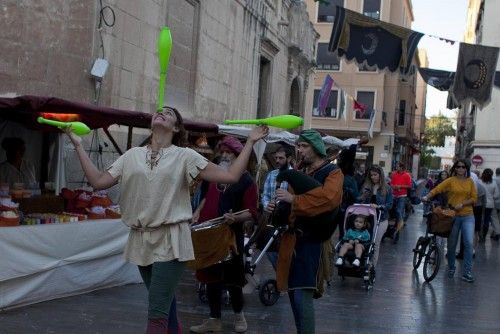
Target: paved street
{"points": [[399, 303]]}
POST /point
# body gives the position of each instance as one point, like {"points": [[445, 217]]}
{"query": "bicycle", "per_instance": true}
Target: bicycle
{"points": [[427, 248]]}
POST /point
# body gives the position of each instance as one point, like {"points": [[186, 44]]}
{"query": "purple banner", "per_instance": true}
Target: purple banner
{"points": [[324, 94]]}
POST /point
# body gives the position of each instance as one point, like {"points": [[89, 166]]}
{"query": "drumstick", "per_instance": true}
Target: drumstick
{"points": [[222, 217], [215, 220]]}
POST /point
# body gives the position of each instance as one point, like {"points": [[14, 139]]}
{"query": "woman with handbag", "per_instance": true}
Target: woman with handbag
{"points": [[461, 193]]}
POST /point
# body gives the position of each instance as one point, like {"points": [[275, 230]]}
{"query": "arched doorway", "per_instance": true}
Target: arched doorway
{"points": [[295, 98]]}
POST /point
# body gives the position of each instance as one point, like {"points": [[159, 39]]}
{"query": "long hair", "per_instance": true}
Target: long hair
{"points": [[384, 188], [180, 137], [487, 176], [453, 171], [440, 178]]}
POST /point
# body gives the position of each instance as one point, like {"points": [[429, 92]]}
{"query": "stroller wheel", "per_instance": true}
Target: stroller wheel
{"points": [[368, 284], [268, 292]]}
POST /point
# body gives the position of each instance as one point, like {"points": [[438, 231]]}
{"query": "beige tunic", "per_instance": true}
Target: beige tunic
{"points": [[157, 200]]}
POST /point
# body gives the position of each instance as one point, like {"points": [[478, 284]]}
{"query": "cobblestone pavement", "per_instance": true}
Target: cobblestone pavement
{"points": [[400, 302]]}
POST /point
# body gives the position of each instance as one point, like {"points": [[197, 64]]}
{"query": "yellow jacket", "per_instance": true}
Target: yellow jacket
{"points": [[458, 190]]}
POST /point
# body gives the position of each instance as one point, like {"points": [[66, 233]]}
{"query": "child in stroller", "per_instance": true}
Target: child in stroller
{"points": [[356, 239], [359, 265]]}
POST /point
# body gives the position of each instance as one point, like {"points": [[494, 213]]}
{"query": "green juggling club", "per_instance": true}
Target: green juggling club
{"points": [[282, 121], [164, 49], [78, 128]]}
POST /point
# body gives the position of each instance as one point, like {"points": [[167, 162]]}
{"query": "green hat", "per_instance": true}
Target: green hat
{"points": [[313, 138]]}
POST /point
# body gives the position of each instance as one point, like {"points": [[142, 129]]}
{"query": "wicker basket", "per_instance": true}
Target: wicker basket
{"points": [[112, 214], [8, 222], [93, 215], [100, 201]]}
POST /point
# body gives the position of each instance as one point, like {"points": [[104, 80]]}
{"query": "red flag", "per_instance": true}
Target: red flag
{"points": [[359, 108]]}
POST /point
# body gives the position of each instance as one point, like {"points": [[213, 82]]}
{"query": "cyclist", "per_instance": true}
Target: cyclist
{"points": [[462, 195]]}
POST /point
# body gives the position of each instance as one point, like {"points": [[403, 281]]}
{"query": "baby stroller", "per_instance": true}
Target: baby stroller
{"points": [[365, 270], [265, 239]]}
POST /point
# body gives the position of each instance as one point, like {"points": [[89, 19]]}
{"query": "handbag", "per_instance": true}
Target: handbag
{"points": [[442, 221]]}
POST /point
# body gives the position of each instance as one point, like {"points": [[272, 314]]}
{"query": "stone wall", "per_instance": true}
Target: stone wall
{"points": [[219, 46]]}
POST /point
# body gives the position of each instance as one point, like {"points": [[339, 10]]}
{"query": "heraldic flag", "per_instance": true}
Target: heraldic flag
{"points": [[377, 43], [475, 73]]}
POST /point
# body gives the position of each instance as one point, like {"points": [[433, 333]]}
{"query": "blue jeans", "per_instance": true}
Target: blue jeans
{"points": [[302, 304], [466, 225], [400, 208]]}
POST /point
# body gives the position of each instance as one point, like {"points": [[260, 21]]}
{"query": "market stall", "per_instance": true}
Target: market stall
{"points": [[53, 241], [68, 241]]}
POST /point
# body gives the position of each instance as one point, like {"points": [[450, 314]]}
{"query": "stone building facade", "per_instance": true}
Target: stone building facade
{"points": [[230, 58], [399, 101], [474, 125]]}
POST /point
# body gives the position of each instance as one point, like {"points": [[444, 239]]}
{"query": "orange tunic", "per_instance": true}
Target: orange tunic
{"points": [[321, 199]]}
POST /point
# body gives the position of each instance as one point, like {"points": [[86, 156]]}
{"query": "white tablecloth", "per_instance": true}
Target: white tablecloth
{"points": [[44, 262]]}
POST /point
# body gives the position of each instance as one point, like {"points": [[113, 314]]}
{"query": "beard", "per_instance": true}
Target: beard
{"points": [[225, 164]]}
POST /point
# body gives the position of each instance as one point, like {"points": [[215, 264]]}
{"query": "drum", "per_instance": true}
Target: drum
{"points": [[213, 242]]}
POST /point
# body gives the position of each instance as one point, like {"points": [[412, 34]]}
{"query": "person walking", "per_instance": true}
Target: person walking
{"points": [[307, 240], [224, 200], [495, 216], [155, 204], [400, 183], [492, 194], [282, 159], [377, 192], [462, 195]]}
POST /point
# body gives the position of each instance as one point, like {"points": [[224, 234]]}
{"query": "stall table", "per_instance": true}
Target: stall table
{"points": [[43, 262]]}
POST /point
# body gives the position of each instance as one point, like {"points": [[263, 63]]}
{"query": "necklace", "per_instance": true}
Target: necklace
{"points": [[153, 157]]}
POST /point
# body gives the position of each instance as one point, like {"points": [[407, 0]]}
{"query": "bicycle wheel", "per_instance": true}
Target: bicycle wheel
{"points": [[418, 252], [431, 263]]}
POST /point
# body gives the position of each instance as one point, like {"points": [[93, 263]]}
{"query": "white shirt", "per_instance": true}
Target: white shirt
{"points": [[10, 174], [492, 193], [157, 200]]}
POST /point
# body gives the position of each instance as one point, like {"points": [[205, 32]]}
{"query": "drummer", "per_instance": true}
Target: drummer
{"points": [[223, 199]]}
